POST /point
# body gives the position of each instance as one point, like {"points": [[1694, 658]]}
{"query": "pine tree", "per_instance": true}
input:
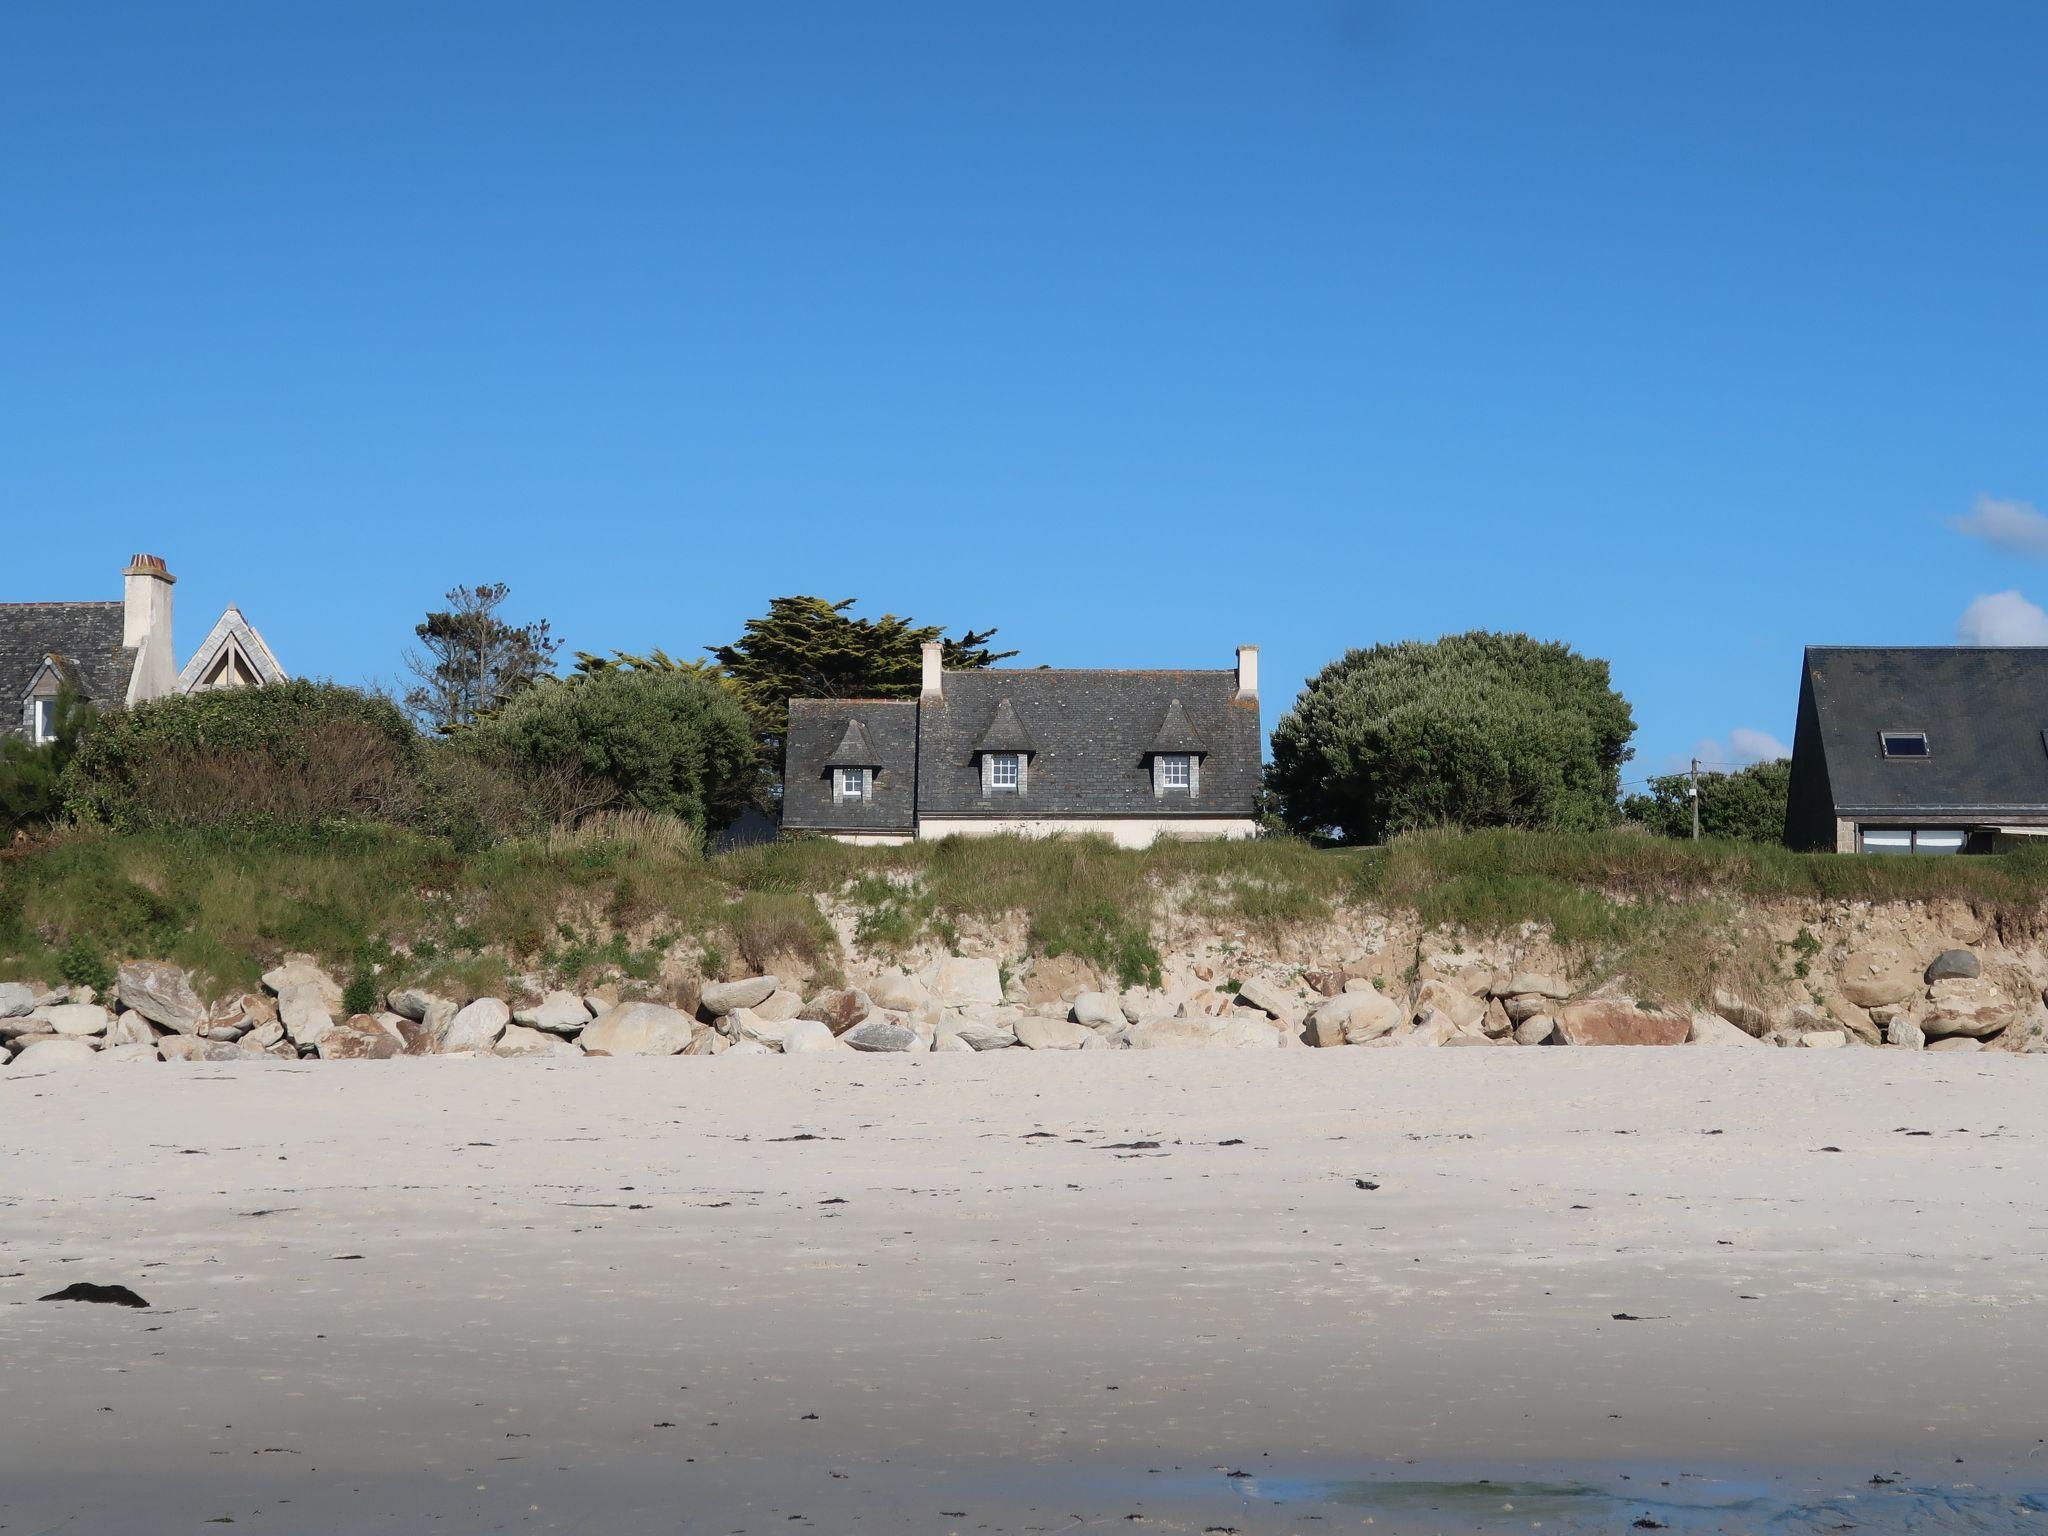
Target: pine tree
{"points": [[474, 661]]}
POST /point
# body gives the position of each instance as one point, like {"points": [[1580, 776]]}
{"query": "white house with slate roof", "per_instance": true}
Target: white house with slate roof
{"points": [[114, 654], [1131, 755]]}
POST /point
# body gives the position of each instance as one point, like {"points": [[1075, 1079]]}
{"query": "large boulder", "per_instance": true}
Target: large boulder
{"points": [[15, 1000], [1537, 1029], [1099, 1010], [1824, 1039], [638, 1029], [1271, 999], [780, 1006], [722, 997], [879, 1032], [414, 1003], [1536, 984], [1904, 1033], [76, 1021], [1870, 978], [128, 1053], [1606, 1021], [806, 1035], [54, 1051], [300, 971], [839, 1009], [162, 994], [303, 1009], [525, 1040], [1975, 1008], [362, 1037], [1953, 965], [1353, 1018], [746, 1024], [1037, 1033], [982, 1034], [1460, 1007], [899, 994], [961, 981], [475, 1027], [559, 1013], [1169, 1032], [1712, 1029], [131, 1029], [1433, 1028], [1955, 1043]]}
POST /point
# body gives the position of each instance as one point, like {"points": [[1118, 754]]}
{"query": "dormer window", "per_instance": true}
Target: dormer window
{"points": [[1903, 743], [43, 721], [851, 783], [1176, 771], [1005, 772]]}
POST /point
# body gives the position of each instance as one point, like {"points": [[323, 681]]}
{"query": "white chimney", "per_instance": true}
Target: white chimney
{"points": [[934, 685], [146, 628], [1248, 672]]}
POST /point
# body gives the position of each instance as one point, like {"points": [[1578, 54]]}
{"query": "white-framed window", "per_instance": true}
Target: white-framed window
{"points": [[1005, 771], [853, 783], [43, 721], [1912, 839], [1903, 743], [1176, 771]]}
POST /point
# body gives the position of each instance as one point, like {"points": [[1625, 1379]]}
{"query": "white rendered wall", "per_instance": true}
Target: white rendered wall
{"points": [[1125, 832]]}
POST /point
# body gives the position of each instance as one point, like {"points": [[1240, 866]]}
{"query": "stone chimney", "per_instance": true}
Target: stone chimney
{"points": [[146, 628], [934, 685], [1248, 672]]}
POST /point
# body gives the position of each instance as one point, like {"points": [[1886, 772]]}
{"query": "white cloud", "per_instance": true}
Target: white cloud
{"points": [[1745, 745], [2012, 526], [2002, 618]]}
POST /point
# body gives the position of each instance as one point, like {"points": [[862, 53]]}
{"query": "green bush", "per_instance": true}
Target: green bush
{"points": [[675, 743], [83, 966], [1747, 805], [31, 774], [1474, 730], [293, 757]]}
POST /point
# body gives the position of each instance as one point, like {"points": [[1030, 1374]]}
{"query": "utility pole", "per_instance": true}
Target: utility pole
{"points": [[1695, 799]]}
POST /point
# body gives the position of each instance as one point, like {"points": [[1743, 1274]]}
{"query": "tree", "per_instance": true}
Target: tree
{"points": [[809, 648], [1476, 730], [670, 741], [31, 791], [473, 660], [1748, 804]]}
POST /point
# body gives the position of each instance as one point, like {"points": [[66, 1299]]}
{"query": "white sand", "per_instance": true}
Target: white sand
{"points": [[1036, 1332]]}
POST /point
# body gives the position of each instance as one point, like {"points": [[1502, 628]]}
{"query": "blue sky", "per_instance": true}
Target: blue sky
{"points": [[1685, 334]]}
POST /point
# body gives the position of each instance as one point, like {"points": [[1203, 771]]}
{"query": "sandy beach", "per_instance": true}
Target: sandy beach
{"points": [[1032, 1292]]}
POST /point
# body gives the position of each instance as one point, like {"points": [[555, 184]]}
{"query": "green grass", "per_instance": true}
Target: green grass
{"points": [[409, 909]]}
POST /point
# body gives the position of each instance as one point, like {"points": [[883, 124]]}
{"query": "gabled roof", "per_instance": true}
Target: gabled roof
{"points": [[1175, 734], [1984, 710], [817, 730], [1005, 731], [856, 748], [1093, 733], [234, 632], [86, 635]]}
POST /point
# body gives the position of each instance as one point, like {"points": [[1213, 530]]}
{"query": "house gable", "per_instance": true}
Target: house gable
{"points": [[233, 655]]}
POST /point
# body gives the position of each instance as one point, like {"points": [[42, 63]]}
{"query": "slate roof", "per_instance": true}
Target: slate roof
{"points": [[817, 728], [1005, 731], [87, 635], [1984, 710], [855, 750], [1175, 734], [1093, 733]]}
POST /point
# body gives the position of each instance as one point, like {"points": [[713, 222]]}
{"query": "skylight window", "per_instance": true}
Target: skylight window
{"points": [[1904, 743]]}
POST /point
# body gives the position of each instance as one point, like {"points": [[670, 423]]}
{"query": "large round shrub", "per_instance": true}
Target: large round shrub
{"points": [[1475, 730], [674, 742], [294, 755]]}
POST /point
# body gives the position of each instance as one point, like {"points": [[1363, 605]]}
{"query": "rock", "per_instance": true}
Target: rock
{"points": [[475, 1027], [1353, 1018], [982, 1034], [1432, 1029], [1536, 984], [528, 1040], [300, 971], [362, 1037], [559, 1013], [705, 1042], [751, 1048], [1249, 1034], [1712, 1029], [1526, 1006], [881, 1033], [29, 1024], [1055, 978], [131, 1029], [1167, 1032], [53, 1051], [1953, 965], [1851, 1018], [1455, 1004], [1042, 1034], [128, 1053], [75, 1021], [722, 997], [1600, 1021], [779, 1006], [1099, 1010], [303, 1009], [15, 1000], [806, 1035], [839, 1009], [947, 1040], [162, 994], [1824, 1039], [1496, 1024], [1871, 978], [1482, 1038], [1535, 1030], [1965, 1007], [1745, 1015], [959, 981], [1270, 999], [745, 1024], [412, 1003], [264, 1035], [1956, 1043], [1902, 1031], [642, 1029], [899, 994]]}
